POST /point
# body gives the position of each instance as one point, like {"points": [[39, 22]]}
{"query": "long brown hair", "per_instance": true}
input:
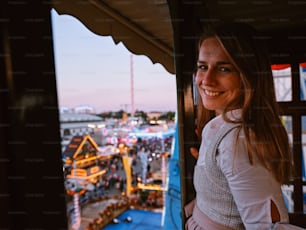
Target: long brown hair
{"points": [[265, 134]]}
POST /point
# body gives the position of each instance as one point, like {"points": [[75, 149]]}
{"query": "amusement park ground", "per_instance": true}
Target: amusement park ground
{"points": [[97, 211], [90, 212]]}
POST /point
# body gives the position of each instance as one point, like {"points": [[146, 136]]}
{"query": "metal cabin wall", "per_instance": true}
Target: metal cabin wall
{"points": [[32, 185], [287, 46], [186, 18]]}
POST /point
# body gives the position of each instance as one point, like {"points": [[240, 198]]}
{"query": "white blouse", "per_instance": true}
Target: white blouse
{"points": [[253, 187]]}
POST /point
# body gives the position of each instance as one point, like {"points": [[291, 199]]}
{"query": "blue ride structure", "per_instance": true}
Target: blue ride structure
{"points": [[172, 218]]}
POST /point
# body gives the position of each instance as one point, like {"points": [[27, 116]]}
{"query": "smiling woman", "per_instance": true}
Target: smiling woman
{"points": [[244, 146], [217, 78], [91, 69]]}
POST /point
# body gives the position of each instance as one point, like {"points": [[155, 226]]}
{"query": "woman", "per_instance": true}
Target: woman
{"points": [[244, 156]]}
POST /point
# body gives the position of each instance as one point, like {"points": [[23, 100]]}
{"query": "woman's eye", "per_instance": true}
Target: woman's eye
{"points": [[202, 67], [225, 69]]}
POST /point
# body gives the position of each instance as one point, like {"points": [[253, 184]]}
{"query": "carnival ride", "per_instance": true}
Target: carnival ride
{"points": [[81, 162]]}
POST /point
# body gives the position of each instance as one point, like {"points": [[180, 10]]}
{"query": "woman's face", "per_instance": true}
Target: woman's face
{"points": [[217, 78]]}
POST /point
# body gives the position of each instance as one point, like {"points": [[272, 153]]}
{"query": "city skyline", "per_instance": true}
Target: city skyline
{"points": [[92, 70]]}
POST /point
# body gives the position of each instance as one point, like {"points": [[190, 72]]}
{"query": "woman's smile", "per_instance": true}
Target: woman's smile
{"points": [[217, 78], [211, 93]]}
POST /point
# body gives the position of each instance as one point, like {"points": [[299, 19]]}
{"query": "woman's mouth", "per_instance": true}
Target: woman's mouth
{"points": [[211, 93]]}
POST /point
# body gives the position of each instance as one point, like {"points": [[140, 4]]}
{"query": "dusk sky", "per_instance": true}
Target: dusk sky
{"points": [[93, 70]]}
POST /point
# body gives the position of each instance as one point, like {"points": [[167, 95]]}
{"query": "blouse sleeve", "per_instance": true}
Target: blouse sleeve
{"points": [[253, 187]]}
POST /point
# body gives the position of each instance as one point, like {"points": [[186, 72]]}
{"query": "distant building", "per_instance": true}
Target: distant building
{"points": [[154, 115], [84, 109], [65, 110], [79, 109], [79, 124]]}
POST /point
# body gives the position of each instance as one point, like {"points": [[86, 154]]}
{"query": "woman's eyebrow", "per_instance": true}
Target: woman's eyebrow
{"points": [[224, 63], [218, 63]]}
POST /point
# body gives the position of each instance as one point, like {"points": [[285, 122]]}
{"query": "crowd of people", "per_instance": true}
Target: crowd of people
{"points": [[146, 162]]}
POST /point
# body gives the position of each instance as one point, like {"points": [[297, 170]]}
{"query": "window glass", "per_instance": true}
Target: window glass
{"points": [[303, 80], [304, 148], [304, 198], [282, 82], [288, 189], [304, 159]]}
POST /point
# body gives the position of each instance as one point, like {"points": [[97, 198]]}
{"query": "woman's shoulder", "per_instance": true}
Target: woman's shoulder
{"points": [[233, 116], [232, 139]]}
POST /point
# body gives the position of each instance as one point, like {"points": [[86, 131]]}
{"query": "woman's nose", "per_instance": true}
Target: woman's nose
{"points": [[206, 77]]}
